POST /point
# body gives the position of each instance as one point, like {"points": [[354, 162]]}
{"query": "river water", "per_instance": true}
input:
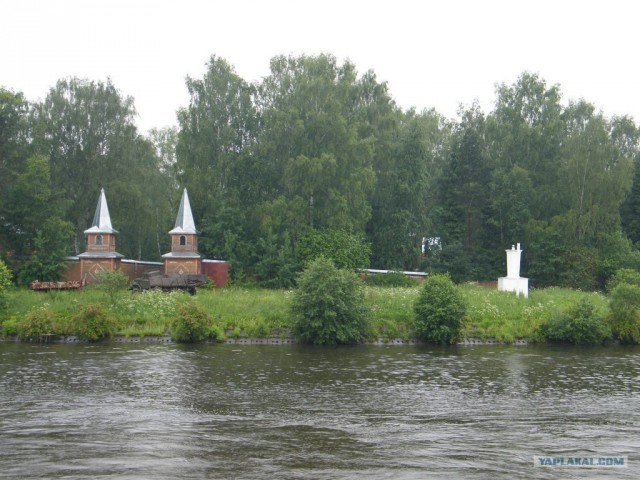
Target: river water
{"points": [[223, 411]]}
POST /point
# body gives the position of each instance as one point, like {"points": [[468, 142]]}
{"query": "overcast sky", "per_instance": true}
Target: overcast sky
{"points": [[431, 53]]}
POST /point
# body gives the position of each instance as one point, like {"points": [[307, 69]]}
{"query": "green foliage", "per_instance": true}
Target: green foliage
{"points": [[507, 317], [224, 235], [462, 219], [113, 283], [191, 324], [86, 129], [9, 326], [391, 310], [214, 129], [38, 321], [5, 283], [580, 268], [321, 158], [410, 152], [5, 277], [276, 266], [617, 253], [580, 324], [93, 322], [251, 312], [391, 279], [624, 275], [244, 308], [345, 250], [34, 221], [630, 208], [440, 310], [51, 244], [208, 285], [624, 302], [328, 307], [148, 311], [216, 333], [32, 199], [260, 330], [314, 159]]}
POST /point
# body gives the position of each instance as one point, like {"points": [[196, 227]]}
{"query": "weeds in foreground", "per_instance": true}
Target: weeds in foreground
{"points": [[245, 312]]}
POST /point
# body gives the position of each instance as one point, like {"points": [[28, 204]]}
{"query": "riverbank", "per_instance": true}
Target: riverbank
{"points": [[243, 313], [275, 341]]}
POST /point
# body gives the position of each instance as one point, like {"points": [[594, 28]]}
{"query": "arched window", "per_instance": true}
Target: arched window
{"points": [[98, 239], [183, 240]]}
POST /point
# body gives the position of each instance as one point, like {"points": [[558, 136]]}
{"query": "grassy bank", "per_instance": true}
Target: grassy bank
{"points": [[243, 312]]}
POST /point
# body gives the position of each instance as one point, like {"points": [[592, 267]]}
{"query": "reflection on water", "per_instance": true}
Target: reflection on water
{"points": [[84, 411]]}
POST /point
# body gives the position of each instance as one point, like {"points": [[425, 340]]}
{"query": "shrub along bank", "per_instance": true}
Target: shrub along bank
{"points": [[548, 315]]}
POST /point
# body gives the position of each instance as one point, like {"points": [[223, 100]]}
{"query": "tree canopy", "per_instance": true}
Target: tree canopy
{"points": [[317, 159]]}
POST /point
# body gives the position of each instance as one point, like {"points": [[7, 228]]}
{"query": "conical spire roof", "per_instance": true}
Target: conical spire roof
{"points": [[101, 219], [184, 220]]}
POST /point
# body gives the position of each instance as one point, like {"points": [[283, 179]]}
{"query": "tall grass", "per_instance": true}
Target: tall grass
{"points": [[506, 317], [247, 312], [392, 310], [259, 312], [61, 302]]}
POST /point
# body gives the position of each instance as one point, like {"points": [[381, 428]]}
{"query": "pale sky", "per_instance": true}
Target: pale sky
{"points": [[431, 53]]}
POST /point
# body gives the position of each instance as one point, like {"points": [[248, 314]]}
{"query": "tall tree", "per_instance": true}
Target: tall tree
{"points": [[594, 176], [13, 151], [524, 135], [30, 202], [406, 190], [87, 130], [215, 129], [309, 124], [464, 204], [595, 173], [37, 232], [626, 136]]}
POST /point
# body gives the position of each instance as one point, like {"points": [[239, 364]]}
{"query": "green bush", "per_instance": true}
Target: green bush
{"points": [[93, 323], [624, 303], [9, 326], [623, 275], [38, 321], [5, 276], [328, 307], [5, 283], [440, 310], [345, 250], [580, 324], [216, 333], [191, 324], [113, 283], [391, 279], [260, 330]]}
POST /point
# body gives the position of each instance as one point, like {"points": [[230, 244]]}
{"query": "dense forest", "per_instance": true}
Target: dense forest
{"points": [[317, 159]]}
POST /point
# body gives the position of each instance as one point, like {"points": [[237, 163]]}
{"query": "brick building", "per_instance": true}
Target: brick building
{"points": [[101, 252]]}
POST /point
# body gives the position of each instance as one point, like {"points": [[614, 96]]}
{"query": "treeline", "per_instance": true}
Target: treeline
{"points": [[316, 159]]}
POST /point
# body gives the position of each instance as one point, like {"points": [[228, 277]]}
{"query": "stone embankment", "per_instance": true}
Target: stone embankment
{"points": [[166, 339]]}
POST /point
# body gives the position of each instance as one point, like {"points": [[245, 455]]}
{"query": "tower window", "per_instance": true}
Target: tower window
{"points": [[98, 239], [183, 240]]}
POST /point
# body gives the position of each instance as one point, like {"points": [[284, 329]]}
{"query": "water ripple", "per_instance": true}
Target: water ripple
{"points": [[300, 412]]}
